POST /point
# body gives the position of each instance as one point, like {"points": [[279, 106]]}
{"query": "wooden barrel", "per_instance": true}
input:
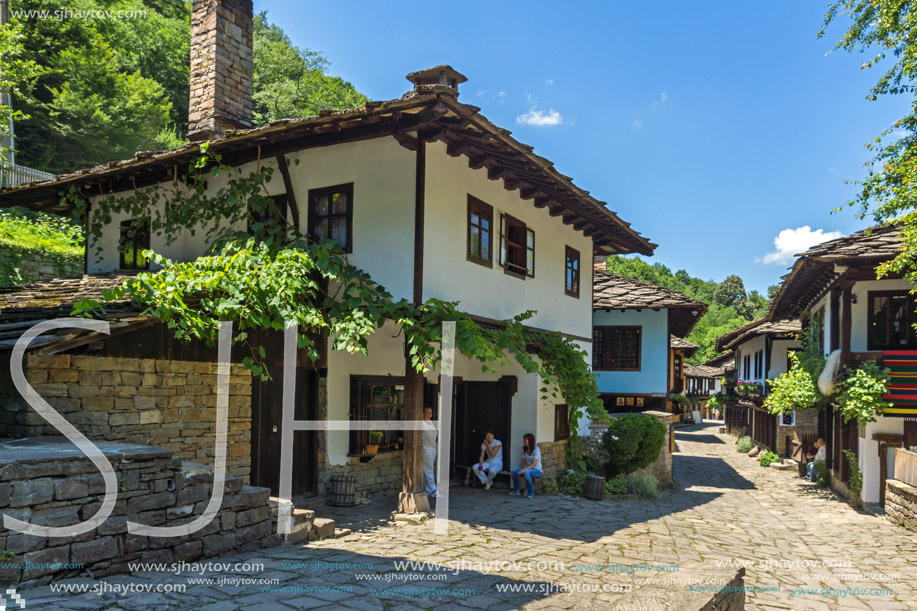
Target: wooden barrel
{"points": [[595, 488], [343, 491]]}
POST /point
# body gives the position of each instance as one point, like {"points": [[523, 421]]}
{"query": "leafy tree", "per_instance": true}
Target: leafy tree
{"points": [[887, 29], [291, 82], [730, 292], [17, 76]]}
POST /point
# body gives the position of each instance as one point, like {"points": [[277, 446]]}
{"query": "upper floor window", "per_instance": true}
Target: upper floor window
{"points": [[571, 277], [480, 232], [616, 348], [891, 316], [133, 240], [331, 215], [517, 246]]}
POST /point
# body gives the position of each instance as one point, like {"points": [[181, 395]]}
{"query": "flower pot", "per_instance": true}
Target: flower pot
{"points": [[372, 449]]}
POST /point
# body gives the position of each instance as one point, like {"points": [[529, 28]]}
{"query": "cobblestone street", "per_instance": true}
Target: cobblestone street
{"points": [[724, 508]]}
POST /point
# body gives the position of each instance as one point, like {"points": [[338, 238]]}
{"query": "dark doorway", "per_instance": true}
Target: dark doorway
{"points": [[480, 406], [267, 422]]}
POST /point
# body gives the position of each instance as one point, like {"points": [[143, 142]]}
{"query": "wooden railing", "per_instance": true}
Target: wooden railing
{"points": [[906, 466]]}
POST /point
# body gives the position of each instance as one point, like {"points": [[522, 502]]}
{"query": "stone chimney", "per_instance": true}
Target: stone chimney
{"points": [[221, 68], [439, 79]]}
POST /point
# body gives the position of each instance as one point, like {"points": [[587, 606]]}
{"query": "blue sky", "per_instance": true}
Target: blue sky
{"points": [[711, 127]]}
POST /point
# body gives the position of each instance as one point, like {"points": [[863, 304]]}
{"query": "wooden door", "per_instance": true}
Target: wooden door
{"points": [[267, 422], [480, 406]]}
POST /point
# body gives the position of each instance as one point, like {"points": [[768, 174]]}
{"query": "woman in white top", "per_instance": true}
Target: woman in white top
{"points": [[491, 461], [429, 452], [531, 466]]}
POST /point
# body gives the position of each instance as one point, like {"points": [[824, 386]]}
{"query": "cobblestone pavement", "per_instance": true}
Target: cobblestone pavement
{"points": [[724, 508]]}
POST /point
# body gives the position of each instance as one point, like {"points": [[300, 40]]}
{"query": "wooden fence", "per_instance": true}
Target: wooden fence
{"points": [[906, 466]]}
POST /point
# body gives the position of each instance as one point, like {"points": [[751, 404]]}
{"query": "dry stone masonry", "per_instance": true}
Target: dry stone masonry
{"points": [[167, 404], [48, 481]]}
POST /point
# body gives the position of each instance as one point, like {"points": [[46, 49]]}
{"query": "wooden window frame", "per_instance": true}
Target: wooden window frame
{"points": [[908, 322], [314, 194], [139, 241], [574, 271], [562, 417], [358, 410], [514, 269], [482, 207], [607, 346]]}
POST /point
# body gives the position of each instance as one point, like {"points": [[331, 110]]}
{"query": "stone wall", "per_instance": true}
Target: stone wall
{"points": [[806, 424], [19, 267], [553, 457], [167, 404], [662, 466], [47, 481], [901, 503], [378, 476]]}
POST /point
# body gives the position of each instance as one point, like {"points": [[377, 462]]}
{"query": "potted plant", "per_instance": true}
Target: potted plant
{"points": [[372, 445]]}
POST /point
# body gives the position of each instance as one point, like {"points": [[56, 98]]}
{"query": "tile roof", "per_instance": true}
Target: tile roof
{"points": [[703, 371], [614, 292]]}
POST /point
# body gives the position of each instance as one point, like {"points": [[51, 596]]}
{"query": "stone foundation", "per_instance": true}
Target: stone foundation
{"points": [[167, 404], [553, 457], [901, 503], [47, 481], [380, 476]]}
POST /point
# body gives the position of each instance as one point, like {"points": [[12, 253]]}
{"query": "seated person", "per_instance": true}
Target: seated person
{"points": [[531, 466], [491, 461], [816, 453]]}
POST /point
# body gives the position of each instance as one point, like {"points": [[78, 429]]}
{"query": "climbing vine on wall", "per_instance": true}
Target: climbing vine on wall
{"points": [[272, 275]]}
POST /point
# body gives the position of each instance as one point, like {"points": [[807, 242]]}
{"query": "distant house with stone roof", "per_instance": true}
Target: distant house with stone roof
{"points": [[639, 349]]}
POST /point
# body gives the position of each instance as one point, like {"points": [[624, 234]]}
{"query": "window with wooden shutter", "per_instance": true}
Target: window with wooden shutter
{"points": [[616, 348], [517, 247], [133, 239]]}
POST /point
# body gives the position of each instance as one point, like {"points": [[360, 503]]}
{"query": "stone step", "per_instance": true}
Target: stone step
{"points": [[342, 532], [322, 528]]}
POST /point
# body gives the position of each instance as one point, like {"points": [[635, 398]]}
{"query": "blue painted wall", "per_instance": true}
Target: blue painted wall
{"points": [[654, 360]]}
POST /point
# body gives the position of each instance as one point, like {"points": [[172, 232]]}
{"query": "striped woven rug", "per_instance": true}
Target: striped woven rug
{"points": [[902, 387]]}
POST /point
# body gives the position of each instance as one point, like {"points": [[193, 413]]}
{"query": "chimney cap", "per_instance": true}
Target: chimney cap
{"points": [[443, 75]]}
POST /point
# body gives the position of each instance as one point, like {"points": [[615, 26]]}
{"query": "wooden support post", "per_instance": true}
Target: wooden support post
{"points": [[412, 498], [835, 321], [846, 323]]}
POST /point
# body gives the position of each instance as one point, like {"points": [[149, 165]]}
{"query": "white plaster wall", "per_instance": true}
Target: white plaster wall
{"points": [[779, 350], [748, 347], [491, 292], [869, 454], [860, 309]]}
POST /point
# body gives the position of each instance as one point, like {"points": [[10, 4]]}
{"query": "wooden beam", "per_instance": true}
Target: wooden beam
{"points": [[542, 202], [477, 162], [455, 149], [495, 172], [407, 141], [288, 186], [420, 180]]}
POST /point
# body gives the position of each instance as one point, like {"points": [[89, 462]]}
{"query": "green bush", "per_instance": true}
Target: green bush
{"points": [[643, 485], [616, 485], [744, 444], [632, 442], [767, 458], [566, 482], [821, 473]]}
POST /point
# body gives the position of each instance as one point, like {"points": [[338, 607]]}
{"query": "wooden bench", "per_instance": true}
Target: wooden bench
{"points": [[509, 476]]}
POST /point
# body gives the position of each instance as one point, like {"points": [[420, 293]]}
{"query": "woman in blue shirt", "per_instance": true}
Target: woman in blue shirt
{"points": [[531, 466]]}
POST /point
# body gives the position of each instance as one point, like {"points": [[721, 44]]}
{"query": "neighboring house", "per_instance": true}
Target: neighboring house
{"points": [[762, 352], [432, 200], [833, 286], [702, 380], [726, 362], [638, 354]]}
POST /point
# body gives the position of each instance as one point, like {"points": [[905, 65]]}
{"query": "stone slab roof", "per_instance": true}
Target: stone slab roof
{"points": [[817, 268], [704, 371], [762, 326]]}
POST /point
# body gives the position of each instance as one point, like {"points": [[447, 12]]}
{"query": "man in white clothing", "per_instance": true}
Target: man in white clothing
{"points": [[491, 461]]}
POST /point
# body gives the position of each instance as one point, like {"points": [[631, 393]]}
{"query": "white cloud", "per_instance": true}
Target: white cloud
{"points": [[790, 242], [484, 92], [637, 123], [549, 82], [540, 118], [663, 97]]}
